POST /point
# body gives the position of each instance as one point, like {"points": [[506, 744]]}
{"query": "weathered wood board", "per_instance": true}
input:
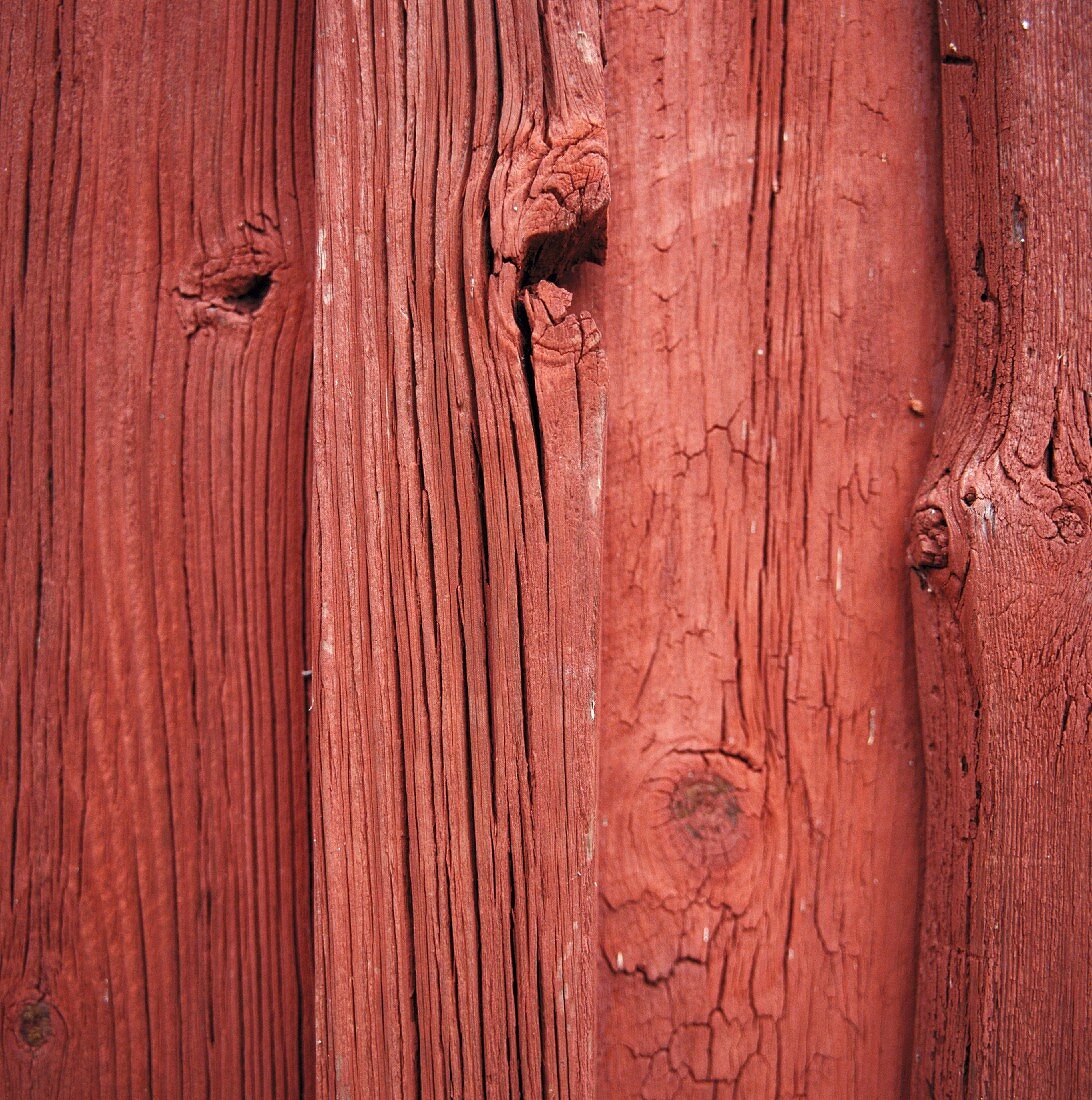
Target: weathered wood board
{"points": [[1000, 542], [458, 430], [773, 308], [154, 379]]}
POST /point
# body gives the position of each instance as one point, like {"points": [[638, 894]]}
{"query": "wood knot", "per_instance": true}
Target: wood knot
{"points": [[548, 205], [231, 286], [1070, 523], [35, 1024], [928, 540], [706, 813]]}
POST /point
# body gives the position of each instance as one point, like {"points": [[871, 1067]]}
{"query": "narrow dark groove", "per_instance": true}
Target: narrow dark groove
{"points": [[527, 361]]}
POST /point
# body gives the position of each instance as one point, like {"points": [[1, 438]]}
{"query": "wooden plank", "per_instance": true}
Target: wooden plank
{"points": [[1000, 541], [154, 936], [774, 313], [458, 438]]}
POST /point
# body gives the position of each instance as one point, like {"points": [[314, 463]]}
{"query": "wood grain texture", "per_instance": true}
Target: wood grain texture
{"points": [[774, 311], [458, 424], [1000, 543], [154, 379]]}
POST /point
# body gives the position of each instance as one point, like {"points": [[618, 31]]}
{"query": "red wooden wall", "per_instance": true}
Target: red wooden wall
{"points": [[456, 468]]}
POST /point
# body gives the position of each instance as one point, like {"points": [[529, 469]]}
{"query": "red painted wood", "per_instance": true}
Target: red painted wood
{"points": [[458, 443], [733, 903], [154, 374], [1000, 542], [773, 308]]}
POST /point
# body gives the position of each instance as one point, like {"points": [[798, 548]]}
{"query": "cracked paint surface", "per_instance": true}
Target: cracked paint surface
{"points": [[772, 302]]}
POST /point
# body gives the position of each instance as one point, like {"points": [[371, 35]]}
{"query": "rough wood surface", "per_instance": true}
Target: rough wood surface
{"points": [[154, 367], [1000, 543], [458, 428], [774, 314]]}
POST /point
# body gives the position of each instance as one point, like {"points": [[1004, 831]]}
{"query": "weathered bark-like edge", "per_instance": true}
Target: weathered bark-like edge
{"points": [[999, 551]]}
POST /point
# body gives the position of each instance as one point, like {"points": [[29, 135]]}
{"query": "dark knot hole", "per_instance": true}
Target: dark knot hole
{"points": [[250, 294]]}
